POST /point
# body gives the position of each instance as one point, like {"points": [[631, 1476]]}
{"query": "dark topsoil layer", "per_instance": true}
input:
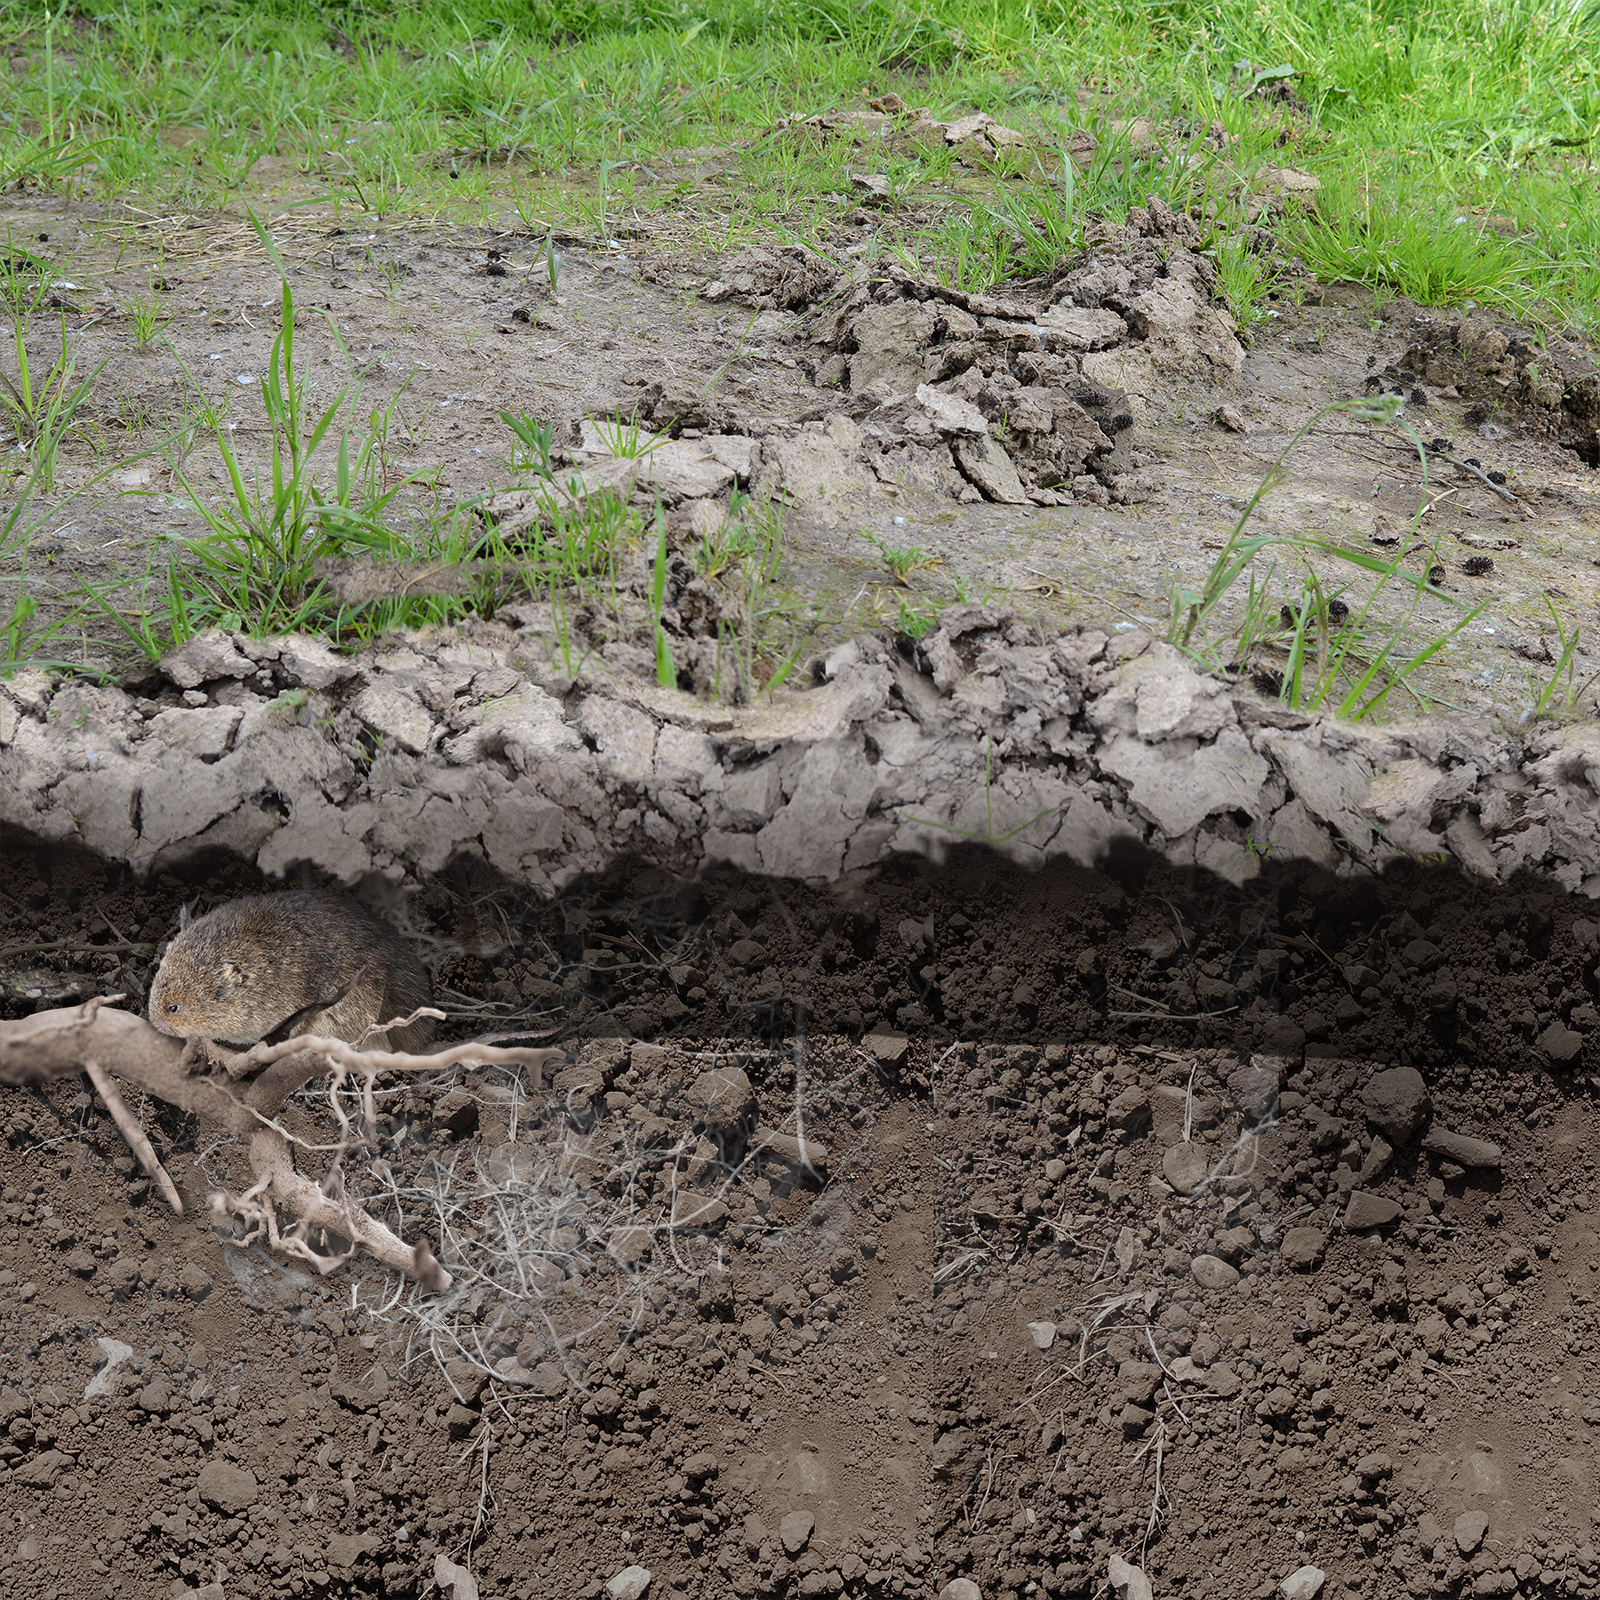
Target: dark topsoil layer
{"points": [[1222, 1399]]}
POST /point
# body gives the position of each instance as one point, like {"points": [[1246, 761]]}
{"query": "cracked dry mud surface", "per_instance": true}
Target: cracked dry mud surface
{"points": [[878, 404], [1265, 1210]]}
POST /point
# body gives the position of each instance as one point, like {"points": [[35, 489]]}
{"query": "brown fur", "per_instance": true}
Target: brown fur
{"points": [[237, 973]]}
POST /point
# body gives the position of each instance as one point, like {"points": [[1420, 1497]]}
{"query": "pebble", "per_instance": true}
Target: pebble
{"points": [[1303, 1247], [1459, 1147], [629, 1584], [1043, 1334], [1396, 1102], [961, 1589], [1210, 1273], [889, 1049], [1471, 1526], [1055, 1171], [795, 1531], [1369, 1211], [1129, 1109], [1127, 1580], [1185, 1167], [1304, 1583]]}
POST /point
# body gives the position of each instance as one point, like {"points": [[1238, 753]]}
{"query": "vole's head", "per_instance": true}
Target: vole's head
{"points": [[200, 990]]}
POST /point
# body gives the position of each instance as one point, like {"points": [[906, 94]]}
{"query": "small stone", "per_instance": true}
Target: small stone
{"points": [[195, 1281], [453, 1579], [961, 1589], [887, 1049], [1471, 1526], [1560, 1042], [795, 1531], [629, 1584], [1304, 1583], [1127, 1581], [1396, 1102], [1369, 1211], [747, 953], [1043, 1334], [1378, 1159], [1185, 1167], [1303, 1247], [1054, 1171], [225, 1487], [1210, 1273], [1458, 1147], [1129, 1109], [1135, 1419], [702, 1464]]}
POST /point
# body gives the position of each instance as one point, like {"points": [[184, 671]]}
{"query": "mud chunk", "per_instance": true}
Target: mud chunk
{"points": [[1135, 1419], [1303, 1247], [1255, 1090], [1560, 1042], [1211, 1273], [1369, 1211], [795, 1531], [225, 1487], [204, 659], [1471, 1526], [989, 469], [725, 1098], [1396, 1102], [1460, 1148]]}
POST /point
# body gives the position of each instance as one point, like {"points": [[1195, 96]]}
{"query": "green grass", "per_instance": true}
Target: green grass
{"points": [[1422, 117]]}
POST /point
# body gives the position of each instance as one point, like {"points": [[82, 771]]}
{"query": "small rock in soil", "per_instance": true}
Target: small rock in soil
{"points": [[795, 1531], [1460, 1148], [1210, 1273], [1185, 1167], [1303, 1584], [1043, 1334], [1396, 1103], [1369, 1211], [1303, 1247], [629, 1584], [1127, 1580], [1471, 1526]]}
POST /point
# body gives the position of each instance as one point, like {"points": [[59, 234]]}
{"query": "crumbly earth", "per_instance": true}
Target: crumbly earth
{"points": [[1228, 1233], [1020, 478]]}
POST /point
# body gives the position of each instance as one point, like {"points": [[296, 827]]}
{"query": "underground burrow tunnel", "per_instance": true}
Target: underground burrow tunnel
{"points": [[1192, 1188]]}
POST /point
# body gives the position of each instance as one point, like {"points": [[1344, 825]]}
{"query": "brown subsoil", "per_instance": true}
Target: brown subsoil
{"points": [[833, 1382]]}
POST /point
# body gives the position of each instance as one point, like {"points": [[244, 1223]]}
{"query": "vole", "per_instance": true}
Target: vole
{"points": [[238, 974]]}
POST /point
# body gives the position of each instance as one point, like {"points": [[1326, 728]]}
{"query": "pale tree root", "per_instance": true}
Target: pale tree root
{"points": [[215, 1085]]}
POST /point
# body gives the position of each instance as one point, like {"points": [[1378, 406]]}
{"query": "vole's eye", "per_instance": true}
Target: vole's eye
{"points": [[172, 1008]]}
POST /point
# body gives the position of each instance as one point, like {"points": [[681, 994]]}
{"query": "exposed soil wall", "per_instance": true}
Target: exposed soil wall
{"points": [[1198, 1179], [1075, 747]]}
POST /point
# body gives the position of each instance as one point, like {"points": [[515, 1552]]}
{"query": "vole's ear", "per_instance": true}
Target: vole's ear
{"points": [[184, 919]]}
